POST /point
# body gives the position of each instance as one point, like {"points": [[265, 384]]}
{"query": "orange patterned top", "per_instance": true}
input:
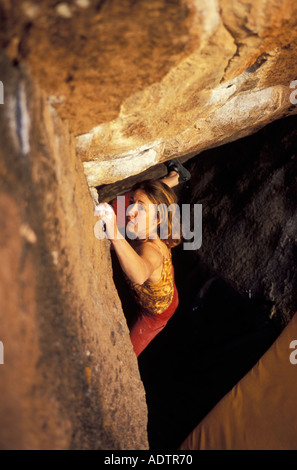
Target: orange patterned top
{"points": [[155, 297]]}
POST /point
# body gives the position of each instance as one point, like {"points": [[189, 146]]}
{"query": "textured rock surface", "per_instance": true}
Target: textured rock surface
{"points": [[234, 82], [70, 378], [248, 192], [143, 81]]}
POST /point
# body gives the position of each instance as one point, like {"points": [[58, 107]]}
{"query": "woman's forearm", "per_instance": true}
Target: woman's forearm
{"points": [[171, 179], [135, 268]]}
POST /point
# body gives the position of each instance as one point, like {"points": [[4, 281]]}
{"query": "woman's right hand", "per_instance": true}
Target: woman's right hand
{"points": [[106, 213]]}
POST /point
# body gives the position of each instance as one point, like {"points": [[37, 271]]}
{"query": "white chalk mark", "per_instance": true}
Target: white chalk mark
{"points": [[127, 164], [23, 120]]}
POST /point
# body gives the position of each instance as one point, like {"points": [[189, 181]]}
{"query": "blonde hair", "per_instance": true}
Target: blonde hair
{"points": [[162, 195]]}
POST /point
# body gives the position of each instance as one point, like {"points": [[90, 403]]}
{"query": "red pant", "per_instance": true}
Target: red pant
{"points": [[144, 329]]}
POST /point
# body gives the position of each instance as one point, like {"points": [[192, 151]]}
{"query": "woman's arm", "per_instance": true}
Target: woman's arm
{"points": [[171, 179], [137, 265]]}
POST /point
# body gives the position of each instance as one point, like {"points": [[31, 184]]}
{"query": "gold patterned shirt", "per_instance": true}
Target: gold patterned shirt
{"points": [[155, 297]]}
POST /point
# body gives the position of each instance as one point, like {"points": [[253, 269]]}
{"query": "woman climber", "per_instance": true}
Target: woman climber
{"points": [[145, 253]]}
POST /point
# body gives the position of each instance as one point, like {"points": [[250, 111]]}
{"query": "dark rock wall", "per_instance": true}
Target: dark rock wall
{"points": [[248, 192]]}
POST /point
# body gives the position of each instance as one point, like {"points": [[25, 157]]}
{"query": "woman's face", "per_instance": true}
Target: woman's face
{"points": [[142, 217]]}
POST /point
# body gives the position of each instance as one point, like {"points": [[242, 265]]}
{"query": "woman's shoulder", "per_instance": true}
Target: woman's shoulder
{"points": [[160, 247], [149, 246], [145, 246]]}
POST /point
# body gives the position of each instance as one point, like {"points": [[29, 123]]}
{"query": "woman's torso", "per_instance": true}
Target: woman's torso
{"points": [[155, 295]]}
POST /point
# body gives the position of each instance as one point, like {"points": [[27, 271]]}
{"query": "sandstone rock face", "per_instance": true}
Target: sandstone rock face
{"points": [[70, 378], [142, 82]]}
